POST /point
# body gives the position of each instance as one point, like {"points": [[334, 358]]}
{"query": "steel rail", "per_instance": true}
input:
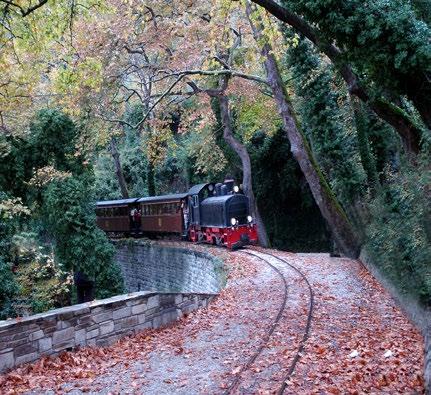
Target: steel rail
{"points": [[268, 334]]}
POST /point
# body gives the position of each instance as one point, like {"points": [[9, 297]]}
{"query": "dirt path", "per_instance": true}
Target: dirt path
{"points": [[359, 341]]}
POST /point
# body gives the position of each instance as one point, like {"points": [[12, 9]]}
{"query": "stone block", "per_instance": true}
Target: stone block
{"points": [[26, 358], [130, 322], [82, 312], [157, 321], [169, 316], [121, 313], [106, 341], [143, 326], [92, 334], [24, 349], [63, 324], [98, 309], [153, 301], [106, 327], [178, 299], [139, 309], [63, 335], [104, 316], [7, 361], [66, 345], [20, 335], [66, 316], [45, 344], [143, 318], [80, 336], [36, 335], [50, 330], [151, 312]]}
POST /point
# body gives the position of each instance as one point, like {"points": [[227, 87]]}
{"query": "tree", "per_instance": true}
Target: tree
{"points": [[382, 49], [330, 208], [79, 244]]}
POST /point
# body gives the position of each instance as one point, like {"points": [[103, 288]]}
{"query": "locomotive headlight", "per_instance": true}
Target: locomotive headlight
{"points": [[249, 219], [233, 221], [236, 188]]}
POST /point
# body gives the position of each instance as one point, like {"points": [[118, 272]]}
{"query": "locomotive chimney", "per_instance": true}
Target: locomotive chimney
{"points": [[229, 183], [218, 188], [224, 190]]}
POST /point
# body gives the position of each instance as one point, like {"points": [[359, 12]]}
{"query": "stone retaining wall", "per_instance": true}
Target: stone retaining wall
{"points": [[97, 323], [147, 266]]}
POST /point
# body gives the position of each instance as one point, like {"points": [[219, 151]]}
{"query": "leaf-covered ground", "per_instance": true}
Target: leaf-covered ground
{"points": [[360, 342]]}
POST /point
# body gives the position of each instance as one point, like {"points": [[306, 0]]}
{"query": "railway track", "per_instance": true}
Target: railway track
{"points": [[278, 267]]}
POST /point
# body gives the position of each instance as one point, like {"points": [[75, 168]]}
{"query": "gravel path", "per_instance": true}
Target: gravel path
{"points": [[204, 352]]}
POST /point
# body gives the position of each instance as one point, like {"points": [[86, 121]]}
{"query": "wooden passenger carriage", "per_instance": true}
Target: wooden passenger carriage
{"points": [[162, 214]]}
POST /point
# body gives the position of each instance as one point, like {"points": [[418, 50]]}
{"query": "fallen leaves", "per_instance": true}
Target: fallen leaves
{"points": [[360, 342]]}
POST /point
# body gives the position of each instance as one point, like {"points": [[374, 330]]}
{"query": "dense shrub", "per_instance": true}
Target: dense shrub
{"points": [[79, 244], [42, 281], [399, 233]]}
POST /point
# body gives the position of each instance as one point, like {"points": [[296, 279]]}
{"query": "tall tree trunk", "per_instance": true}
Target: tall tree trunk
{"points": [[330, 208], [242, 152], [119, 169], [150, 179]]}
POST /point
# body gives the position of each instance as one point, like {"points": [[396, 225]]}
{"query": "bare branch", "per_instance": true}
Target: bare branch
{"points": [[24, 12], [229, 72]]}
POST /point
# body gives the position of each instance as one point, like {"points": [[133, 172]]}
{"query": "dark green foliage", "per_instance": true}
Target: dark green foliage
{"points": [[322, 120], [384, 40], [399, 233], [423, 10], [8, 289], [15, 165], [80, 245], [8, 286], [52, 141], [292, 219]]}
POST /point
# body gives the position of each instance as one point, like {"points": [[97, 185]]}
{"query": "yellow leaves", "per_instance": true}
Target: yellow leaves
{"points": [[46, 175], [257, 113], [10, 208], [87, 74]]}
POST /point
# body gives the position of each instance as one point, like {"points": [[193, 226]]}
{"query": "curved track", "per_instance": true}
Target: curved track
{"points": [[266, 338]]}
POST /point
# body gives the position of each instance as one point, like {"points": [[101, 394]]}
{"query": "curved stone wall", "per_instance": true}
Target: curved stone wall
{"points": [[147, 266], [163, 284]]}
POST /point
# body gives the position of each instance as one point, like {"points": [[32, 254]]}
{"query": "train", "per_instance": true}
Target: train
{"points": [[215, 213]]}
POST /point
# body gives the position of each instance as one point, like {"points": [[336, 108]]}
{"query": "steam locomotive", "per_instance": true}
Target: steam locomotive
{"points": [[213, 213]]}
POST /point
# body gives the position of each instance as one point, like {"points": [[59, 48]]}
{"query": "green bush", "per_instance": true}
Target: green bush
{"points": [[399, 233], [79, 244]]}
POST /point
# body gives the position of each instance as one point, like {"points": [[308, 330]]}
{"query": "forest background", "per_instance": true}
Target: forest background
{"points": [[321, 110]]}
